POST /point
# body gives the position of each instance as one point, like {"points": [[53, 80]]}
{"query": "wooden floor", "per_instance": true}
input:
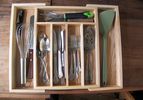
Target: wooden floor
{"points": [[131, 14]]}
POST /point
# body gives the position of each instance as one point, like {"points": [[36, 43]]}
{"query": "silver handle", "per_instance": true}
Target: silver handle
{"points": [[62, 40], [63, 59], [71, 68], [43, 72], [60, 73], [23, 70], [78, 68], [74, 63]]}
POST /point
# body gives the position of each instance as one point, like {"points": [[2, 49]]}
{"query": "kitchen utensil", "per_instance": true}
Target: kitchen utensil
{"points": [[61, 53], [22, 42], [55, 59], [30, 52], [44, 46], [52, 16], [106, 19], [75, 59], [89, 45]]}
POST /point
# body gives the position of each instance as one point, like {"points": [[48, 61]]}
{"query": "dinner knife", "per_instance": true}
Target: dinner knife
{"points": [[55, 58], [60, 72]]}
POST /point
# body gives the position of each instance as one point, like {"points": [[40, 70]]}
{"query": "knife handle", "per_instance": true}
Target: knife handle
{"points": [[30, 64], [60, 72], [82, 15], [20, 16]]}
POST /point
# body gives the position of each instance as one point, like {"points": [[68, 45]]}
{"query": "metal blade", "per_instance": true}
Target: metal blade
{"points": [[31, 34]]}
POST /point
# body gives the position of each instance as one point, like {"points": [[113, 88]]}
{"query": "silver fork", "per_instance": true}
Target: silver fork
{"points": [[75, 59]]}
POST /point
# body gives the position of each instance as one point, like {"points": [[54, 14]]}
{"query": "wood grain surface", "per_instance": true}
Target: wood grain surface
{"points": [[131, 16]]}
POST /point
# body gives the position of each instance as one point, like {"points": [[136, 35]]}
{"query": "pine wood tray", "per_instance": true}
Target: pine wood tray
{"points": [[114, 69]]}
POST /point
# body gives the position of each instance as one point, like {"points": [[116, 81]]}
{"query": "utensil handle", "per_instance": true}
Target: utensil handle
{"points": [[90, 67], [60, 73], [82, 15], [71, 68], [74, 64], [104, 70], [23, 70], [30, 64], [63, 58], [56, 79], [86, 68], [78, 69], [45, 73]]}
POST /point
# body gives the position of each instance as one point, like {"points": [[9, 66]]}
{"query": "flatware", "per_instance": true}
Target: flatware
{"points": [[44, 47], [55, 58], [75, 59], [61, 53]]}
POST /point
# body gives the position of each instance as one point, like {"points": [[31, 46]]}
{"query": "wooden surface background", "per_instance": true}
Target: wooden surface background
{"points": [[131, 15]]}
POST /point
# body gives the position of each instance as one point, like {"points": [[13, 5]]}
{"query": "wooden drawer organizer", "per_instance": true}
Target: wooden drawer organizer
{"points": [[71, 28]]}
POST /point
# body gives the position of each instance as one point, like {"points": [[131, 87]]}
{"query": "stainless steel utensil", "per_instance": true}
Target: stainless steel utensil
{"points": [[89, 45], [55, 58], [61, 53], [44, 47], [75, 59], [22, 42]]}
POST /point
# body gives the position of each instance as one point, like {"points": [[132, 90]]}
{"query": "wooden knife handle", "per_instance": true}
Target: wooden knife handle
{"points": [[30, 64]]}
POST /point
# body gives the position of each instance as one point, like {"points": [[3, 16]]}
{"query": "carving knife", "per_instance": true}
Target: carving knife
{"points": [[30, 52]]}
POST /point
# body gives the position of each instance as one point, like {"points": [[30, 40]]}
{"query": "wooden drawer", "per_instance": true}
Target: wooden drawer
{"points": [[71, 28]]}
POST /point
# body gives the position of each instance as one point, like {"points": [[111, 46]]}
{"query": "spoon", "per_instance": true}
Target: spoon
{"points": [[44, 47]]}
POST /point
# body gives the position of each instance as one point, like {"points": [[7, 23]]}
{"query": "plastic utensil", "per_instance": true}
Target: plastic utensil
{"points": [[106, 22]]}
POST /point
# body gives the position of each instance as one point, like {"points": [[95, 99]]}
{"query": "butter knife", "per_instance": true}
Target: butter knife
{"points": [[60, 72]]}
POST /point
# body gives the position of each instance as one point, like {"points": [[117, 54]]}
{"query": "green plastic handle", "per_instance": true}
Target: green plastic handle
{"points": [[89, 14]]}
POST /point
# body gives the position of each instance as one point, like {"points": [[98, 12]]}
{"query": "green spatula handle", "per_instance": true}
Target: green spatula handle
{"points": [[104, 73]]}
